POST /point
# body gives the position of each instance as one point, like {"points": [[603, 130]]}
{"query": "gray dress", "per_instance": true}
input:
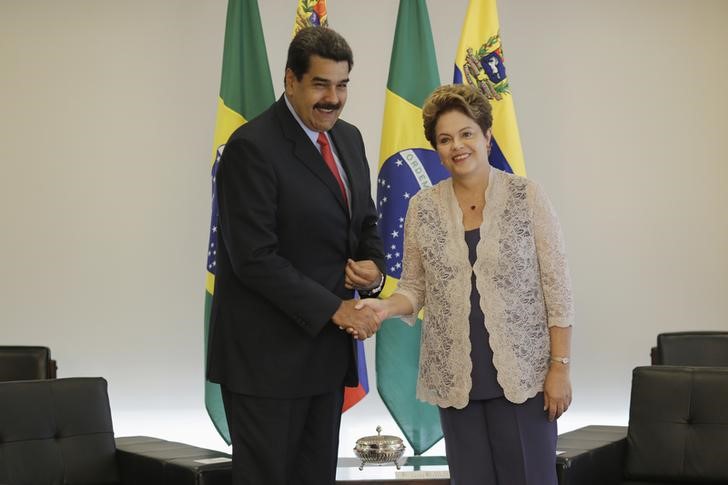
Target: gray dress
{"points": [[491, 440]]}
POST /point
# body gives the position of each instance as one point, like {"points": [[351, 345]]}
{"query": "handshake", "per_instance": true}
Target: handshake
{"points": [[361, 319]]}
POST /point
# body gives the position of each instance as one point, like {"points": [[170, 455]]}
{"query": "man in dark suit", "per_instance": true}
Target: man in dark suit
{"points": [[299, 236]]}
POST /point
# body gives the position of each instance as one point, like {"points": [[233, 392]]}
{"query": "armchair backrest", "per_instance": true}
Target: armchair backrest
{"points": [[56, 431], [21, 363], [678, 424], [707, 348]]}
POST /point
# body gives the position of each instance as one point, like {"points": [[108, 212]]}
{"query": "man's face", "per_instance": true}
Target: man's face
{"points": [[320, 95]]}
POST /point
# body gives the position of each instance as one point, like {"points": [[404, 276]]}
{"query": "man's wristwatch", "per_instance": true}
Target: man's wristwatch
{"points": [[560, 360]]}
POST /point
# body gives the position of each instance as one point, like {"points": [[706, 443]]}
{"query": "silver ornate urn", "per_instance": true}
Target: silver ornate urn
{"points": [[379, 449]]}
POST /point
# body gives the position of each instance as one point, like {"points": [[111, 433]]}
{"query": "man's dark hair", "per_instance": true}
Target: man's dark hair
{"points": [[320, 41]]}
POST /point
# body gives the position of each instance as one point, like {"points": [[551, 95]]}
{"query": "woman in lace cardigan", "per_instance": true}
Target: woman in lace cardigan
{"points": [[484, 255]]}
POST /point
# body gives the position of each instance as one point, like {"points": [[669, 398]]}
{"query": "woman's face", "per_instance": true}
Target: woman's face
{"points": [[462, 145]]}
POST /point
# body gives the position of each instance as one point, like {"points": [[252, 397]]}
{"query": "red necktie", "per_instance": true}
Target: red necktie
{"points": [[329, 159]]}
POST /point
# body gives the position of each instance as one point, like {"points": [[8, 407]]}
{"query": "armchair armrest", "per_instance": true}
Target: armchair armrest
{"points": [[52, 369], [593, 455], [150, 461], [655, 356]]}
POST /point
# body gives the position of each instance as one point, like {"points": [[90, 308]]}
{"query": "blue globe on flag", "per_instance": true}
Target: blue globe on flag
{"points": [[401, 176]]}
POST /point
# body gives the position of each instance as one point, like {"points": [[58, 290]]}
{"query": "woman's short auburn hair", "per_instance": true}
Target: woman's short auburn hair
{"points": [[458, 97]]}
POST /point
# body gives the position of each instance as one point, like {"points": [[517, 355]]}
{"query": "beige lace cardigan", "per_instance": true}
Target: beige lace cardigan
{"points": [[521, 275]]}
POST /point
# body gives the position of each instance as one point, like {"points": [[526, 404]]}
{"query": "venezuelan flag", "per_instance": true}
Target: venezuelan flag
{"points": [[479, 61], [246, 91], [407, 164]]}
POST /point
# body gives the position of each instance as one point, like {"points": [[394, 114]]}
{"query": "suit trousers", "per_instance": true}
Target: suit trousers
{"points": [[497, 442], [284, 441]]}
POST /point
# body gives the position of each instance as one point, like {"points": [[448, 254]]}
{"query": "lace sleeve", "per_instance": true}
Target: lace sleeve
{"points": [[551, 253], [412, 283]]}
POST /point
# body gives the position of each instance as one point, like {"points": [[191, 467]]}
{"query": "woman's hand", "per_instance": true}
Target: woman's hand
{"points": [[557, 390], [380, 307]]}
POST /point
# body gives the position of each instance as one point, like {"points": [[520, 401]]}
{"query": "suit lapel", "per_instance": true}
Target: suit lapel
{"points": [[306, 152]]}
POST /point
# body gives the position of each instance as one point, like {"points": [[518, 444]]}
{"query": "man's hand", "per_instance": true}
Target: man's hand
{"points": [[361, 324], [361, 275]]}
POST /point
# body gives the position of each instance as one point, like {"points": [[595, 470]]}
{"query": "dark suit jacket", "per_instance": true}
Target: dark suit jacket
{"points": [[286, 236]]}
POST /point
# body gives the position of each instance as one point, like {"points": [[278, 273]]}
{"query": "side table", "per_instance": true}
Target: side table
{"points": [[414, 470]]}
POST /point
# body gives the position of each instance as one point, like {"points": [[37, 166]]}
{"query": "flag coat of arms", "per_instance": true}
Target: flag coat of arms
{"points": [[310, 13]]}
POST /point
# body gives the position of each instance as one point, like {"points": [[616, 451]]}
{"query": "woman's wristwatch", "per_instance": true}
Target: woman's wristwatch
{"points": [[560, 360]]}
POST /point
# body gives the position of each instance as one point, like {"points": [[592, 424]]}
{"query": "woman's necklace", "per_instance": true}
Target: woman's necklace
{"points": [[473, 205], [472, 198]]}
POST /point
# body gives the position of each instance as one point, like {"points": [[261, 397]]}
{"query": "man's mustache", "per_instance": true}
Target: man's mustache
{"points": [[330, 106]]}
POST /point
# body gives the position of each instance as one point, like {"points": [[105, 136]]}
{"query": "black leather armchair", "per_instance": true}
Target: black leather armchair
{"points": [[707, 348], [677, 433], [20, 363], [60, 432]]}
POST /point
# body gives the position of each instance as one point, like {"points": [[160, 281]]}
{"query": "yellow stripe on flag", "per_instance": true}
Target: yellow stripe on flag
{"points": [[505, 130]]}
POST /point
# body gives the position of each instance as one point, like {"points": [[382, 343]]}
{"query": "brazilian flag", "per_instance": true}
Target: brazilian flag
{"points": [[407, 163], [246, 91]]}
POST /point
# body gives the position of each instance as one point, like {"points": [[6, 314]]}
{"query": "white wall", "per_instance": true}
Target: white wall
{"points": [[107, 113]]}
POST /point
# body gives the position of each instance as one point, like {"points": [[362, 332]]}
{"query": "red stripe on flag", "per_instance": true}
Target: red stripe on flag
{"points": [[353, 395]]}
